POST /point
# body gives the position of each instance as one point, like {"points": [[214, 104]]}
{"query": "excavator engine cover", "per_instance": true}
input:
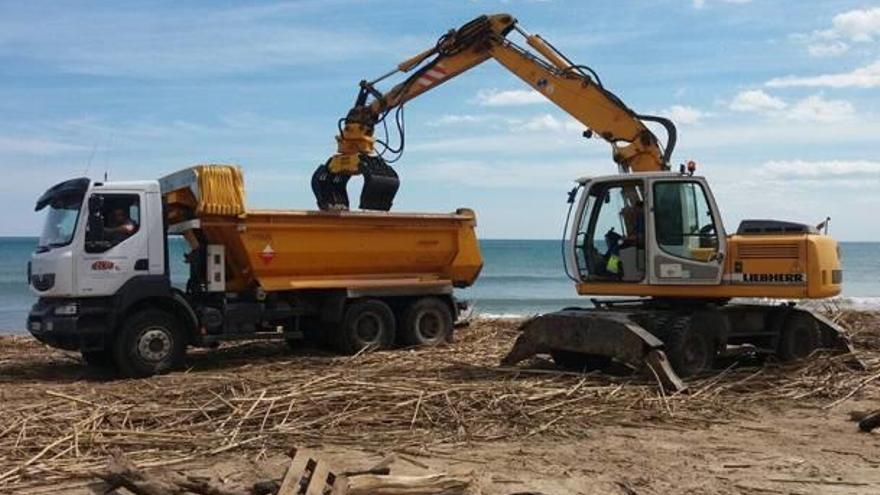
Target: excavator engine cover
{"points": [[380, 186]]}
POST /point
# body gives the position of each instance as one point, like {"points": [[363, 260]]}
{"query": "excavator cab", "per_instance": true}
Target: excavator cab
{"points": [[648, 229]]}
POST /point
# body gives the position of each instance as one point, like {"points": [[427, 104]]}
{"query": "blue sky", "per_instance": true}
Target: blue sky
{"points": [[777, 101]]}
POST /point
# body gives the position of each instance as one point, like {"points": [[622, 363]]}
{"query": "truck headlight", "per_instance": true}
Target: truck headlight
{"points": [[67, 309]]}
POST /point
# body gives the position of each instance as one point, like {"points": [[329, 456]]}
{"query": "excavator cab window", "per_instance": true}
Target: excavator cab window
{"points": [[683, 220], [613, 228]]}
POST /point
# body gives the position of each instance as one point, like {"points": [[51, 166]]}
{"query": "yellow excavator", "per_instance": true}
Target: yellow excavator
{"points": [[650, 234]]}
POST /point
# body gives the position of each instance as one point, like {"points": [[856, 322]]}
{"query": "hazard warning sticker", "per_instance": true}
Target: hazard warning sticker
{"points": [[267, 254]]}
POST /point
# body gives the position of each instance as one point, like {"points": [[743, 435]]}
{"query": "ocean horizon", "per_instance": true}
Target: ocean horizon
{"points": [[520, 277]]}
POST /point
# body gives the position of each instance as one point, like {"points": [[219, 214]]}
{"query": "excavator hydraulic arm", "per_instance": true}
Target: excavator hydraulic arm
{"points": [[574, 88]]}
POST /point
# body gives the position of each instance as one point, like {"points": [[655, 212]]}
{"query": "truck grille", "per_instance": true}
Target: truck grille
{"points": [[43, 282], [769, 251]]}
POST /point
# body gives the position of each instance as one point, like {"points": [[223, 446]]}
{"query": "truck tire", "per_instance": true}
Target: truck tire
{"points": [[799, 337], [578, 361], [427, 322], [690, 350], [98, 359], [366, 323], [150, 342]]}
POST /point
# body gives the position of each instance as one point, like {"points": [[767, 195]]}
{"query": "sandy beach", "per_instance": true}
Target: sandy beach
{"points": [[236, 412]]}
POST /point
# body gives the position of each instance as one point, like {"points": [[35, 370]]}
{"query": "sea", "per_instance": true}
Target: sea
{"points": [[520, 277]]}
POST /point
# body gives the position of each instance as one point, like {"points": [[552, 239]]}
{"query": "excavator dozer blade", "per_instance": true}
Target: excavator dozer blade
{"points": [[835, 337], [594, 332]]}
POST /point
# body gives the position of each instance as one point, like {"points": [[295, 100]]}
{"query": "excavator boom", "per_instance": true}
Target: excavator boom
{"points": [[574, 88]]}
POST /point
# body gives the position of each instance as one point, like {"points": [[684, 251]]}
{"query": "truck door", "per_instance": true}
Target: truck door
{"points": [[119, 250], [687, 238]]}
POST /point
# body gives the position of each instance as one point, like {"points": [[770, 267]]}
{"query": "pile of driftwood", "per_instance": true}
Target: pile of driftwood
{"points": [[259, 398], [306, 475]]}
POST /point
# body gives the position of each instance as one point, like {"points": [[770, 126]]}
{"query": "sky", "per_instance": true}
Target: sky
{"points": [[777, 101]]}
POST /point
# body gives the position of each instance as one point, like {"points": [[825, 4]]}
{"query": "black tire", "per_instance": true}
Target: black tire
{"points": [[577, 361], [427, 322], [799, 337], [98, 359], [150, 342], [690, 350], [366, 323]]}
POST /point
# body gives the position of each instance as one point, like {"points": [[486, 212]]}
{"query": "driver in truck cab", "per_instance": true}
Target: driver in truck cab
{"points": [[119, 225]]}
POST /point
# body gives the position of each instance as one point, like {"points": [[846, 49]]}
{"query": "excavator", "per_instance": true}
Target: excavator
{"points": [[650, 236]]}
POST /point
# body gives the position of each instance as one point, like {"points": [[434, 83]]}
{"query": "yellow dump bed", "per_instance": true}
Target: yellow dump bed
{"points": [[280, 250]]}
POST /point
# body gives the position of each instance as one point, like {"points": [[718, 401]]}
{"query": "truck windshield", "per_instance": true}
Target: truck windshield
{"points": [[61, 218]]}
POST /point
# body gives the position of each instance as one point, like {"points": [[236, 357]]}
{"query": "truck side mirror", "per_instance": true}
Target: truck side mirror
{"points": [[95, 225]]}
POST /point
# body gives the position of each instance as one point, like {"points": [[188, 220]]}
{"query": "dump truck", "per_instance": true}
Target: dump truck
{"points": [[354, 280]]}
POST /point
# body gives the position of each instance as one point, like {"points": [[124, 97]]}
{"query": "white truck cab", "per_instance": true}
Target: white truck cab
{"points": [[69, 262], [102, 251]]}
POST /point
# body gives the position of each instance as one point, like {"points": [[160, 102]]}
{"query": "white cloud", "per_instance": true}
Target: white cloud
{"points": [[547, 122], [485, 173], [858, 25], [815, 108], [824, 170], [755, 100], [513, 97], [854, 26], [827, 49], [683, 114], [143, 42], [37, 146], [863, 77], [452, 119], [699, 4]]}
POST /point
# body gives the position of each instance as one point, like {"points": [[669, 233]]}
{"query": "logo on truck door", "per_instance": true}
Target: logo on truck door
{"points": [[267, 254], [102, 265]]}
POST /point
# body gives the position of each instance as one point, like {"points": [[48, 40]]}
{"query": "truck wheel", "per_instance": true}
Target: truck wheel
{"points": [[690, 350], [98, 359], [366, 323], [427, 322], [578, 361], [150, 342], [799, 338]]}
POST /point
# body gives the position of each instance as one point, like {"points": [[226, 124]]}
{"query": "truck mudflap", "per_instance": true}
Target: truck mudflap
{"points": [[602, 333]]}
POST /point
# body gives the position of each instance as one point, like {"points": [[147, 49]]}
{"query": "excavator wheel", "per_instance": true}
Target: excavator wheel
{"points": [[799, 338], [690, 350], [577, 361]]}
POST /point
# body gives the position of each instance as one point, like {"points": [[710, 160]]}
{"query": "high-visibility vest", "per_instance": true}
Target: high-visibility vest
{"points": [[613, 265]]}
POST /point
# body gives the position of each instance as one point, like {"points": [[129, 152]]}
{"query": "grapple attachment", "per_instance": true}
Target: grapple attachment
{"points": [[597, 333], [380, 185]]}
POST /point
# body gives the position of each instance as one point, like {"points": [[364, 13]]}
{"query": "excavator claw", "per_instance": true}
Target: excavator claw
{"points": [[598, 333], [380, 185]]}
